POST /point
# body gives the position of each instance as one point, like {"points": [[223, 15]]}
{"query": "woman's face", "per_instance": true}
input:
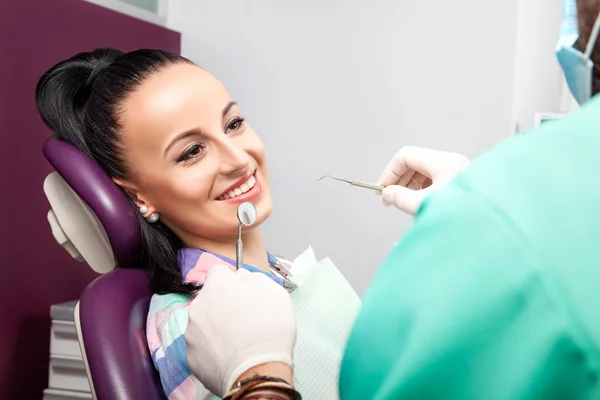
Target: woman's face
{"points": [[192, 156]]}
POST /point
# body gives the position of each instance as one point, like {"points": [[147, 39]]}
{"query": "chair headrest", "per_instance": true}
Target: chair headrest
{"points": [[91, 216]]}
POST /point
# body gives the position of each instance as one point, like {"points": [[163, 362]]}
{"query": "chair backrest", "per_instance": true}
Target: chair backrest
{"points": [[112, 318], [95, 222]]}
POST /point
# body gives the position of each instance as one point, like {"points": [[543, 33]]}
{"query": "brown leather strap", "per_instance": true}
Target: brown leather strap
{"points": [[270, 389], [265, 396]]}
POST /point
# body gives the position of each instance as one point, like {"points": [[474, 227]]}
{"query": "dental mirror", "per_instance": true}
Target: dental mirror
{"points": [[246, 214]]}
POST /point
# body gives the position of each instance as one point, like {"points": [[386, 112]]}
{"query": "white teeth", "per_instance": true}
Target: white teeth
{"points": [[243, 188]]}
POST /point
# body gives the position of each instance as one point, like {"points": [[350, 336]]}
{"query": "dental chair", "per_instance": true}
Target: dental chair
{"points": [[95, 222]]}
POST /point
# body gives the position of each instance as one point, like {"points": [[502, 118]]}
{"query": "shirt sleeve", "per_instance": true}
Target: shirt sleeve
{"points": [[461, 310], [165, 329]]}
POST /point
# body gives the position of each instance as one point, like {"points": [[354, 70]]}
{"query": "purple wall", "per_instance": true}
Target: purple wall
{"points": [[36, 271]]}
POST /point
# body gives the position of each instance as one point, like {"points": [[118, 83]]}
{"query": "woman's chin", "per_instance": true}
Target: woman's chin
{"points": [[264, 207]]}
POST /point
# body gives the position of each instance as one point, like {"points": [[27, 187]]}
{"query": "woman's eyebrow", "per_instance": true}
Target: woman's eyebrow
{"points": [[192, 132], [228, 107], [181, 136]]}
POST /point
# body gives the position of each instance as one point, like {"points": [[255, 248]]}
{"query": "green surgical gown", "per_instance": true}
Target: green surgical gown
{"points": [[494, 292]]}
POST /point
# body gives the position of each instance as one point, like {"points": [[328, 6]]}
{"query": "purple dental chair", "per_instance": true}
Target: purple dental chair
{"points": [[94, 221]]}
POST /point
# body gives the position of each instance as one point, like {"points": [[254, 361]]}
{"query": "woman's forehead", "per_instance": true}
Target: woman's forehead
{"points": [[178, 97]]}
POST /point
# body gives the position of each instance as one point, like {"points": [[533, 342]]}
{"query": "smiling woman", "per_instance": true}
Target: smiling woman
{"points": [[171, 136], [188, 146]]}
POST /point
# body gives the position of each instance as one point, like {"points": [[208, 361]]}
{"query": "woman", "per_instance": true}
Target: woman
{"points": [[171, 137]]}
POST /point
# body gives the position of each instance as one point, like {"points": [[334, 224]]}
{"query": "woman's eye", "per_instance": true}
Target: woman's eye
{"points": [[235, 124], [191, 152]]}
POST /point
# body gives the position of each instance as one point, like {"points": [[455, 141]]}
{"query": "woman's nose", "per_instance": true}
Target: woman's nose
{"points": [[232, 157]]}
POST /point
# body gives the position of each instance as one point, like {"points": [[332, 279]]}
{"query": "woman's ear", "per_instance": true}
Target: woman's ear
{"points": [[134, 194]]}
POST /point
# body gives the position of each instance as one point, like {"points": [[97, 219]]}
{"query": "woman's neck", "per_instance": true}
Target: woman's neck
{"points": [[255, 253]]}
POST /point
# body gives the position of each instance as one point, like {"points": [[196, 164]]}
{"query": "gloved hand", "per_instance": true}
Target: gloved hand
{"points": [[414, 172], [237, 321]]}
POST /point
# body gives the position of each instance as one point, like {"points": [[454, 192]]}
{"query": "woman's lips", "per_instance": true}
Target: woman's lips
{"points": [[231, 192], [246, 190]]}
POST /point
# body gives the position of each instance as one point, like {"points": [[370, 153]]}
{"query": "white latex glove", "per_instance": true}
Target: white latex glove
{"points": [[237, 321], [414, 172]]}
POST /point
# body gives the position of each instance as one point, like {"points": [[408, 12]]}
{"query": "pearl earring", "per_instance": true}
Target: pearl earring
{"points": [[153, 217], [143, 210]]}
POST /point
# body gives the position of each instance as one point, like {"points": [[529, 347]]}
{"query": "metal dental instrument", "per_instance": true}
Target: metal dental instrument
{"points": [[361, 184], [246, 214]]}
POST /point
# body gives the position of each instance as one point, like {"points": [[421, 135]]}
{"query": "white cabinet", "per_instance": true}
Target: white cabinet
{"points": [[67, 378]]}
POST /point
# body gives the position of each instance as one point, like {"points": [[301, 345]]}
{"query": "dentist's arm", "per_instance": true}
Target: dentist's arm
{"points": [[414, 172], [241, 333]]}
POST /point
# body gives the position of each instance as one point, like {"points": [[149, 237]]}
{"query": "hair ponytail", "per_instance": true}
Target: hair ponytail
{"points": [[79, 100]]}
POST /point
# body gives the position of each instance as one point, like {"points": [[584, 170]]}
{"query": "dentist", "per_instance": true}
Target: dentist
{"points": [[493, 293]]}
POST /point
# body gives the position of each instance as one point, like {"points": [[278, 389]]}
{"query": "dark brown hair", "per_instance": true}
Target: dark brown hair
{"points": [[587, 13], [80, 100]]}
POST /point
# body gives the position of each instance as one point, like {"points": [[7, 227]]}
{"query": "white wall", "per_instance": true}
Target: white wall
{"points": [[336, 87], [538, 84]]}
